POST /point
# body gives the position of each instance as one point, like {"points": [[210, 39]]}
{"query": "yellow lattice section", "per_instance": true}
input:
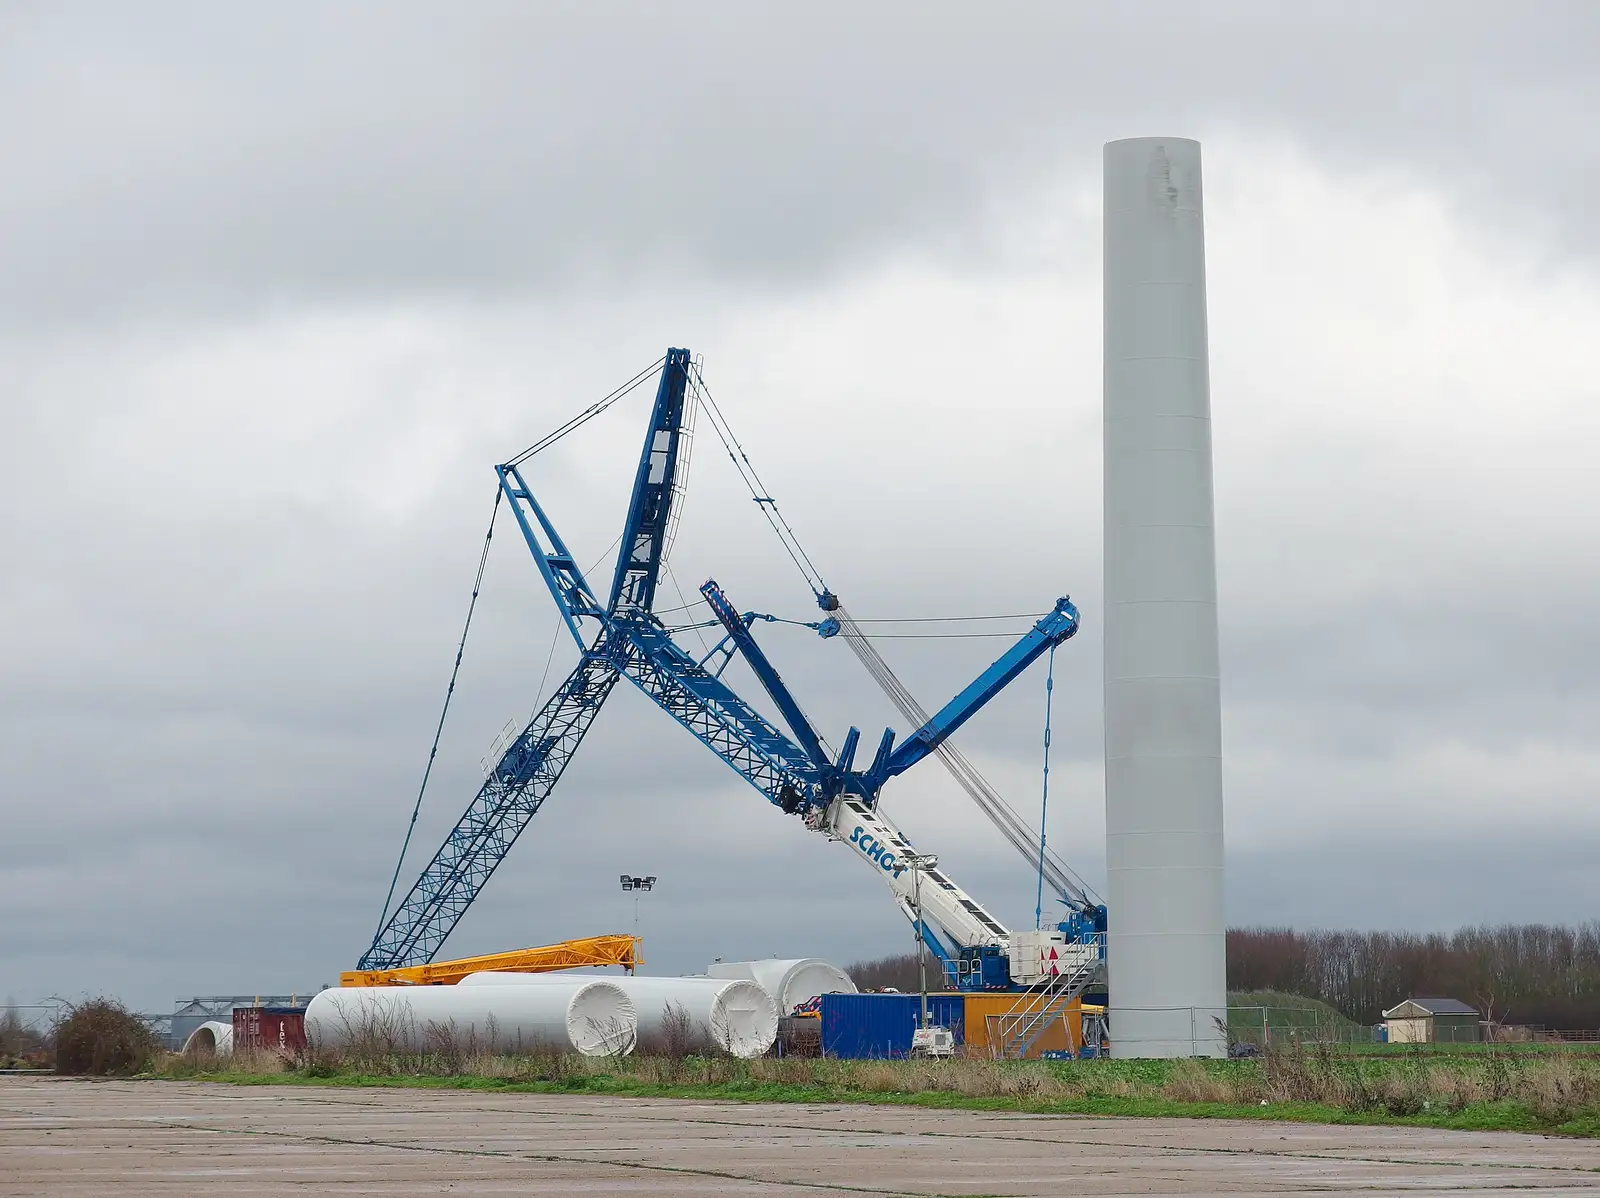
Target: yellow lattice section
{"points": [[569, 954]]}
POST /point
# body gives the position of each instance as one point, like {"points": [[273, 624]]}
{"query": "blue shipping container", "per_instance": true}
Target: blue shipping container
{"points": [[880, 1025]]}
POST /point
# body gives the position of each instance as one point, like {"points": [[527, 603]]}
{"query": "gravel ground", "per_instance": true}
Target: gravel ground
{"points": [[128, 1138]]}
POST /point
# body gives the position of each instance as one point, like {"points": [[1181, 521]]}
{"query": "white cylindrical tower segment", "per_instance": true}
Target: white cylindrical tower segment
{"points": [[212, 1036], [790, 981], [1163, 713], [735, 1015], [595, 1018]]}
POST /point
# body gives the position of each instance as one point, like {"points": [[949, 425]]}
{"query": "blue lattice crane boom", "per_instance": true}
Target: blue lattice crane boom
{"points": [[1056, 628], [513, 792], [626, 640], [531, 765], [623, 638], [644, 536], [737, 628], [971, 941]]}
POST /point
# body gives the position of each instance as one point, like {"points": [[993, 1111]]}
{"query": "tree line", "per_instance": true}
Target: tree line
{"points": [[897, 972], [1513, 973]]}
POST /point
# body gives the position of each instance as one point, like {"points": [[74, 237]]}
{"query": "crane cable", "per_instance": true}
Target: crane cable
{"points": [[1044, 795], [433, 751], [586, 415], [978, 788], [758, 489], [538, 446]]}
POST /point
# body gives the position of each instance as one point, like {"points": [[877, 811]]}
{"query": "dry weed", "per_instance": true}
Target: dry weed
{"points": [[1562, 1089], [877, 1077], [787, 1071], [1191, 1082]]}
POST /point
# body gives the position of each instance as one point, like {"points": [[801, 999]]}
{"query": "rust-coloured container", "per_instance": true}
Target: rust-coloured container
{"points": [[1064, 1034], [280, 1029]]}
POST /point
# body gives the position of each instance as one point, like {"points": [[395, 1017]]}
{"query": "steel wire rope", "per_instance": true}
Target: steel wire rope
{"points": [[477, 586], [675, 628], [763, 500], [1044, 792], [455, 670], [542, 444], [1021, 615], [586, 415], [550, 439], [687, 605], [982, 792], [942, 636], [758, 489], [673, 579], [555, 636], [978, 788]]}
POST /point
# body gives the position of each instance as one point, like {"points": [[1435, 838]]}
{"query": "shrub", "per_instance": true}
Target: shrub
{"points": [[100, 1037]]}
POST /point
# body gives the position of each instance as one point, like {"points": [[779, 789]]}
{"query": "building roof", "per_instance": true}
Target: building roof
{"points": [[1431, 1006]]}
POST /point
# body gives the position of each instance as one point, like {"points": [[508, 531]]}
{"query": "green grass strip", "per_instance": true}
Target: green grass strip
{"points": [[1485, 1116]]}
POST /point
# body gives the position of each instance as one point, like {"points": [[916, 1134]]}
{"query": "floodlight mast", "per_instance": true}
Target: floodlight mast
{"points": [[636, 884], [917, 863]]}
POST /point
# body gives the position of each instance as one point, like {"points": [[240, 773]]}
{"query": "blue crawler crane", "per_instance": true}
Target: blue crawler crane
{"points": [[622, 637]]}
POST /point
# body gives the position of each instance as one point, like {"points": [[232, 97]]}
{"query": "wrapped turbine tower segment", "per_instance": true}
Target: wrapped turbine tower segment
{"points": [[736, 1014], [211, 1036], [596, 1018], [790, 982]]}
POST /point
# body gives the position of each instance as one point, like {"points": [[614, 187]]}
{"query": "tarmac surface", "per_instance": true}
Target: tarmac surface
{"points": [[124, 1138]]}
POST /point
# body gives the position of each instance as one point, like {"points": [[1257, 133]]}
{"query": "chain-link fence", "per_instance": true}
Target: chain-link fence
{"points": [[28, 1037], [1166, 1031], [1239, 1031], [1263, 1027], [28, 1034]]}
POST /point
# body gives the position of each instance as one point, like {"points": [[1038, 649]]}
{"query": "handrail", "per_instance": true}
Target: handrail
{"points": [[1027, 1020]]}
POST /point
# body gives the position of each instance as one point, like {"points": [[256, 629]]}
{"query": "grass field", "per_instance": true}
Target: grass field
{"points": [[1251, 1011], [1479, 1091]]}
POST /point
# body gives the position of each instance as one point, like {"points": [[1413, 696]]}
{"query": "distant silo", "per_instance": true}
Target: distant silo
{"points": [[1163, 718]]}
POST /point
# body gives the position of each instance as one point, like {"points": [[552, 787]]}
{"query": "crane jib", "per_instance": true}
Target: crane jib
{"points": [[624, 638]]}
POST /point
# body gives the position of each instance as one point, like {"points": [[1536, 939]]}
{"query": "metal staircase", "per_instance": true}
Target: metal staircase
{"points": [[1013, 1033]]}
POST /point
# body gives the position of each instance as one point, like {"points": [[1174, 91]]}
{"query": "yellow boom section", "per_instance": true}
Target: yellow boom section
{"points": [[569, 954]]}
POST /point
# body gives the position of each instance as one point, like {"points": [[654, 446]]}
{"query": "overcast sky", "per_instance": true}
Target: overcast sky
{"points": [[280, 284]]}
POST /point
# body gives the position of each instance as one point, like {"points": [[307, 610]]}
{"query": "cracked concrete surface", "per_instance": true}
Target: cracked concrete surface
{"points": [[76, 1137]]}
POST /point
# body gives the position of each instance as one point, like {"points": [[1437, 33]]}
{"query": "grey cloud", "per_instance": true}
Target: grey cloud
{"points": [[249, 417], [187, 158]]}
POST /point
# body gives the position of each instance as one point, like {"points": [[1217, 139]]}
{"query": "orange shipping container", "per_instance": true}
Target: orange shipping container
{"points": [[1062, 1034]]}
